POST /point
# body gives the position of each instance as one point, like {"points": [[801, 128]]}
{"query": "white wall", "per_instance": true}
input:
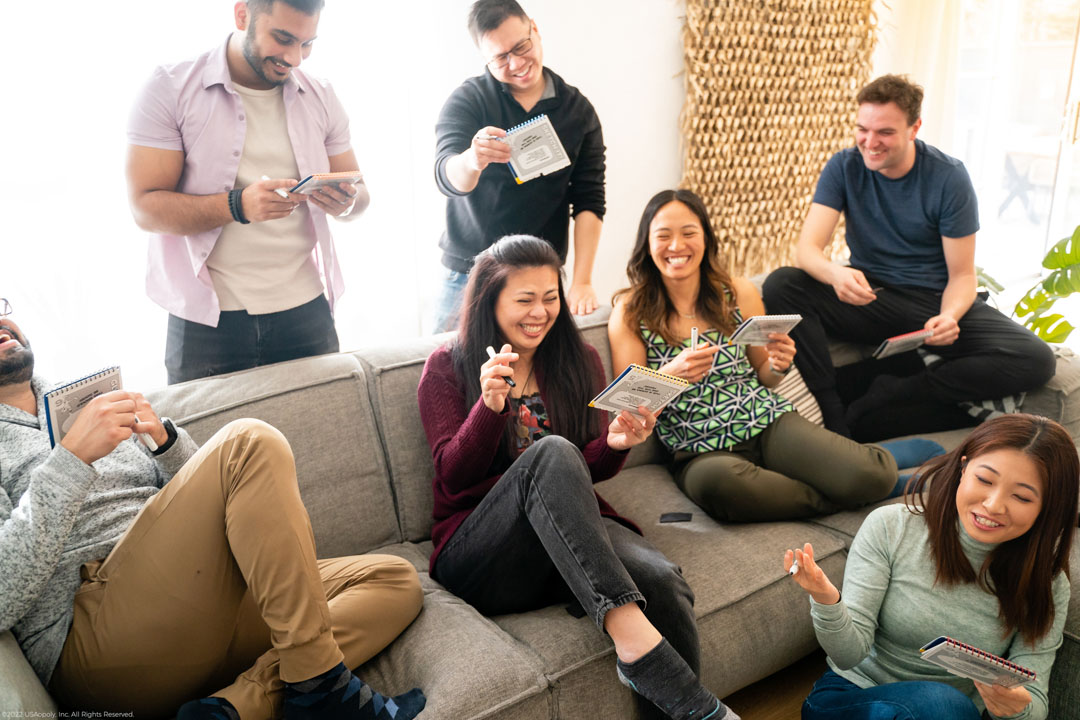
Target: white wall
{"points": [[72, 261]]}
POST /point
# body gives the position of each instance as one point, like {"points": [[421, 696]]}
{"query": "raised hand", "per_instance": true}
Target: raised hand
{"points": [[336, 199], [851, 286], [781, 349], [104, 423], [810, 577], [149, 422], [493, 374], [946, 330], [1002, 701], [626, 431], [483, 151], [261, 202], [692, 364]]}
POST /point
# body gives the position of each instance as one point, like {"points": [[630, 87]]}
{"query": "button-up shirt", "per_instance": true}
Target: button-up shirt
{"points": [[193, 107]]}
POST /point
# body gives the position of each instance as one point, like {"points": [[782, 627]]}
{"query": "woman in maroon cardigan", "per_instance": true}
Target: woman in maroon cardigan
{"points": [[516, 450]]}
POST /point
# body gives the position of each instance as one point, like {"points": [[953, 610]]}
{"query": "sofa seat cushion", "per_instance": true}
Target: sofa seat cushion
{"points": [[320, 404], [744, 596], [467, 666], [21, 692], [1059, 399]]}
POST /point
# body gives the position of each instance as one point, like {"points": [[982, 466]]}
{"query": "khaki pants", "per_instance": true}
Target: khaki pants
{"points": [[792, 469], [215, 589]]}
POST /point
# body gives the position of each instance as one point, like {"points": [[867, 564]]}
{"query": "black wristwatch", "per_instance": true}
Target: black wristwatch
{"points": [[170, 430]]}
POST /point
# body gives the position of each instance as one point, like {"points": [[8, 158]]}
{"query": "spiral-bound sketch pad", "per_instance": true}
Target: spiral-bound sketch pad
{"points": [[971, 662], [902, 343], [638, 385], [62, 404], [535, 149], [755, 330]]}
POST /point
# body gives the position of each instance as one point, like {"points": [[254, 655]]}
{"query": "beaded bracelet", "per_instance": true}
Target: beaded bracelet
{"points": [[236, 207]]}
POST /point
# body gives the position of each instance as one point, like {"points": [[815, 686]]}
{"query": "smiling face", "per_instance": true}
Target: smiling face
{"points": [[527, 306], [885, 140], [1000, 495], [16, 357], [676, 241], [523, 73], [274, 42]]}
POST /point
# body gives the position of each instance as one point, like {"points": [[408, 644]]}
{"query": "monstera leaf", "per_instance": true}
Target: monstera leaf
{"points": [[1034, 303], [1063, 282], [1064, 259], [1051, 328], [1065, 252]]}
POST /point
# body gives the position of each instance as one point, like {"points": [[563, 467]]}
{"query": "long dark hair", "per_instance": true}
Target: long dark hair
{"points": [[1021, 571], [562, 358], [647, 299]]}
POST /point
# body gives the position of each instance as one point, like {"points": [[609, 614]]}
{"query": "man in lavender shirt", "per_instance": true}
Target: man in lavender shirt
{"points": [[246, 269]]}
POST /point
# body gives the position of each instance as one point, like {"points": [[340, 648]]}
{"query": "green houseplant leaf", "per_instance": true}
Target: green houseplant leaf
{"points": [[1035, 302], [1063, 282], [1064, 259], [1065, 252], [1051, 328]]}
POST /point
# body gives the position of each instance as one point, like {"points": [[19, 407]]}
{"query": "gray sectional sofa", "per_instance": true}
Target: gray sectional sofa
{"points": [[365, 475]]}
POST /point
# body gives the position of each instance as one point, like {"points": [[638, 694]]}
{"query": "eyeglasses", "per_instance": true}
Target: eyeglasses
{"points": [[503, 59], [5, 307]]}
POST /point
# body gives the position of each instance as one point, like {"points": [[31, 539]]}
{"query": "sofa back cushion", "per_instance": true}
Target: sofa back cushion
{"points": [[321, 405], [393, 375], [594, 328]]}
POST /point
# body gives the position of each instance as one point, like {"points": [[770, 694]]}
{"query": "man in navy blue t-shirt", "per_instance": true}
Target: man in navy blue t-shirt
{"points": [[911, 216]]}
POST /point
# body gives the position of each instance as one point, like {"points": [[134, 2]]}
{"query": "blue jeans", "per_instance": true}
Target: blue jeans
{"points": [[241, 341], [537, 538], [448, 311], [834, 698]]}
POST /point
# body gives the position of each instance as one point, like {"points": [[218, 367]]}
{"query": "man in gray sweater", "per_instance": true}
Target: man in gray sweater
{"points": [[135, 581]]}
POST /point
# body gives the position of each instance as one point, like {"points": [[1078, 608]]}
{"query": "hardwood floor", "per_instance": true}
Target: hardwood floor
{"points": [[779, 696]]}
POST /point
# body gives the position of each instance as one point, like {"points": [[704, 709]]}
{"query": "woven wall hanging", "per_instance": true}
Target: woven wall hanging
{"points": [[770, 97]]}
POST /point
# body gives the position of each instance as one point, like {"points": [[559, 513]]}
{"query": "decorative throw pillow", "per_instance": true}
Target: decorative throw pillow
{"points": [[793, 389]]}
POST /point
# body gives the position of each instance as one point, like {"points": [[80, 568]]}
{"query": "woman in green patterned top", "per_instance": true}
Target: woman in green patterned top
{"points": [[740, 452]]}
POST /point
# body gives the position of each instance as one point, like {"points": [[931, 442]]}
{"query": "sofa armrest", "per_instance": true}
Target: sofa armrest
{"points": [[20, 689]]}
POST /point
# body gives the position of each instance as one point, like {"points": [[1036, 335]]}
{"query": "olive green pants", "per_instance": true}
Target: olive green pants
{"points": [[792, 469]]}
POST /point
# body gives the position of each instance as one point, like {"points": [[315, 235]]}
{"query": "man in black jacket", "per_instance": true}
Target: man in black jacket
{"points": [[485, 201]]}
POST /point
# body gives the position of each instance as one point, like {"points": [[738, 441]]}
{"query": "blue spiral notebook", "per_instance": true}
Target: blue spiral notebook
{"points": [[535, 149]]}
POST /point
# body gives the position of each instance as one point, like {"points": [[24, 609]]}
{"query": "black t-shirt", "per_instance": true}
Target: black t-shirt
{"points": [[894, 227], [498, 205]]}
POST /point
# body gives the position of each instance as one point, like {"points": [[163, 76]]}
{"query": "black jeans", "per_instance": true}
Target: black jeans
{"points": [[992, 358], [537, 538], [242, 341]]}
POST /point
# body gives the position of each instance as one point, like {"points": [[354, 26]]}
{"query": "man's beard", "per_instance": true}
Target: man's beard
{"points": [[254, 60], [17, 367]]}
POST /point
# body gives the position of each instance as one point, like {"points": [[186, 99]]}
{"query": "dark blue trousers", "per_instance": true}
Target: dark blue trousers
{"points": [[242, 341]]}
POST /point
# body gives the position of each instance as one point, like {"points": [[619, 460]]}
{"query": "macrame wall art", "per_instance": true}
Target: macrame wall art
{"points": [[770, 97]]}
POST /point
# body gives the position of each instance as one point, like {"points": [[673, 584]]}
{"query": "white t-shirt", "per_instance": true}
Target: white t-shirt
{"points": [[267, 266]]}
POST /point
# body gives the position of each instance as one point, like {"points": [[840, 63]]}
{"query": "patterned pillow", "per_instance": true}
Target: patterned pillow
{"points": [[793, 389]]}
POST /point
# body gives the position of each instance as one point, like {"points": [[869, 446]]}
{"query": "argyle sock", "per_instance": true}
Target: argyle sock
{"points": [[912, 452], [337, 694], [663, 677], [211, 708]]}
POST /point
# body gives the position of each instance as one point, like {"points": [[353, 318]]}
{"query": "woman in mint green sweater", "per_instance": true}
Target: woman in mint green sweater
{"points": [[978, 553]]}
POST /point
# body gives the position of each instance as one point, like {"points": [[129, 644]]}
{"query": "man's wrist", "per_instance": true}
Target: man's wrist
{"points": [[170, 437], [236, 206]]}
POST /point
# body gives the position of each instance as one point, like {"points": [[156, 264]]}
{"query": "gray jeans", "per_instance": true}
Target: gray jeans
{"points": [[537, 538]]}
